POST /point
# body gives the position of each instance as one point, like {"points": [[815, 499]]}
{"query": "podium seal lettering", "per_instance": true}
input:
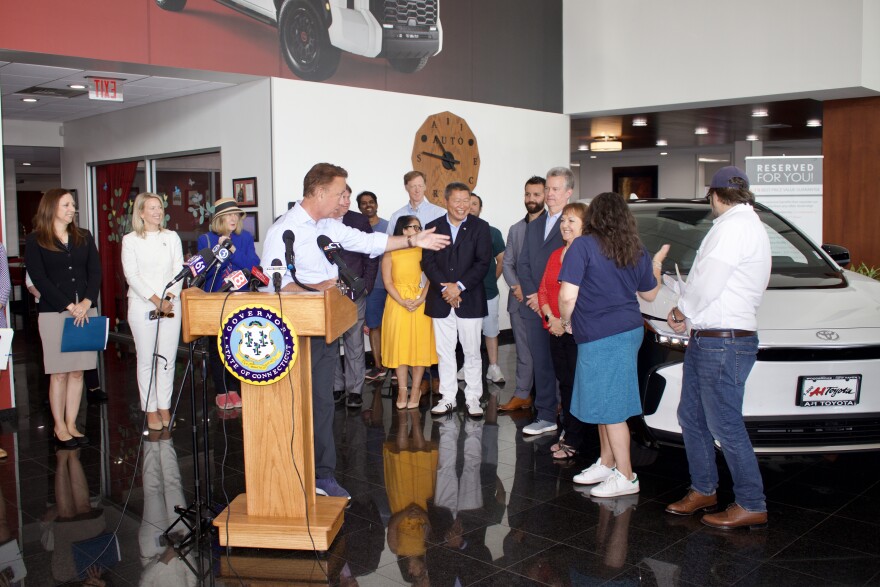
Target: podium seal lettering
{"points": [[257, 345]]}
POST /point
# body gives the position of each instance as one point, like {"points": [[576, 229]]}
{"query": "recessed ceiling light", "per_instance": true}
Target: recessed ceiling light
{"points": [[760, 113], [29, 100], [701, 130], [662, 143], [640, 122], [752, 138], [26, 164], [663, 154], [583, 147], [813, 123], [574, 164], [592, 156], [76, 86]]}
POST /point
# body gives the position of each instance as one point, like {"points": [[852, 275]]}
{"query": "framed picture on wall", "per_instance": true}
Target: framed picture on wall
{"points": [[244, 191], [252, 225]]}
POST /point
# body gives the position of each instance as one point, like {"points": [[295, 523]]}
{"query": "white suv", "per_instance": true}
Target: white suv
{"points": [[314, 32], [815, 386]]}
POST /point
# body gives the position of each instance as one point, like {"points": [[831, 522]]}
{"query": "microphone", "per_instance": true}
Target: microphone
{"points": [[276, 270], [236, 280], [354, 285], [196, 265], [221, 252], [258, 278], [288, 238]]}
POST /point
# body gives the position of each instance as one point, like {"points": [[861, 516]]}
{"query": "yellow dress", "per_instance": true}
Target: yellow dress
{"points": [[407, 337]]}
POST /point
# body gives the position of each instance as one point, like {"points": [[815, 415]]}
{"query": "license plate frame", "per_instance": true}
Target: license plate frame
{"points": [[822, 391]]}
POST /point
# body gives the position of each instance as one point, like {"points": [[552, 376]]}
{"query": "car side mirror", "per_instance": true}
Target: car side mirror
{"points": [[838, 253]]}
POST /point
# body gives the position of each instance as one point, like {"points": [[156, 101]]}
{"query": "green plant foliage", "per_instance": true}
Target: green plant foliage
{"points": [[866, 270]]}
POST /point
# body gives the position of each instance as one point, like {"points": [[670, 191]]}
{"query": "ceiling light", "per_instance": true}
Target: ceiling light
{"points": [[752, 138], [76, 86], [814, 122], [760, 113], [583, 147], [701, 130], [663, 154], [604, 144], [29, 100], [592, 156], [574, 164], [662, 143], [640, 122], [26, 164]]}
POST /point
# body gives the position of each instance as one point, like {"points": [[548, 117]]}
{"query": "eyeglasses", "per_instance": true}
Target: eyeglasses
{"points": [[709, 195], [415, 227]]}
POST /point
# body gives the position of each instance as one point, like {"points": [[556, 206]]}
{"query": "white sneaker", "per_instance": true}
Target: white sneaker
{"points": [[474, 410], [493, 374], [460, 374], [616, 484], [442, 407], [539, 427], [595, 473]]}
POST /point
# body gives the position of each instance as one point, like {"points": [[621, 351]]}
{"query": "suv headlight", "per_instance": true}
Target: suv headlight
{"points": [[664, 335]]}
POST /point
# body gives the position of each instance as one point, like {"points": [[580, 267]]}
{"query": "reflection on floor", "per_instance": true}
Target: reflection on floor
{"points": [[437, 501]]}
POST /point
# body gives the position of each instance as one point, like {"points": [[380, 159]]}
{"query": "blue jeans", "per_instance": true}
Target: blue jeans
{"points": [[715, 373]]}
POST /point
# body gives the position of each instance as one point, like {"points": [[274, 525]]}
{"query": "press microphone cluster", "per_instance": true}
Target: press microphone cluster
{"points": [[220, 253], [195, 266], [350, 284]]}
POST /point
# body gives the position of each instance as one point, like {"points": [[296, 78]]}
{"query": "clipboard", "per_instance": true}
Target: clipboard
{"points": [[6, 335], [91, 336]]}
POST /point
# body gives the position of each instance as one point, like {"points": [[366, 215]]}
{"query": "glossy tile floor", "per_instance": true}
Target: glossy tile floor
{"points": [[448, 501]]}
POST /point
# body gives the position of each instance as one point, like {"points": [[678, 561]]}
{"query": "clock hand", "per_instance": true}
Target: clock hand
{"points": [[446, 157]]}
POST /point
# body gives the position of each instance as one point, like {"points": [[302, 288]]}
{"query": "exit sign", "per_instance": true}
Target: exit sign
{"points": [[105, 89]]}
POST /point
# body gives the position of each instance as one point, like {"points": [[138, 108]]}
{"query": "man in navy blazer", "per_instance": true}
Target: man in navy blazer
{"points": [[542, 238], [456, 300]]}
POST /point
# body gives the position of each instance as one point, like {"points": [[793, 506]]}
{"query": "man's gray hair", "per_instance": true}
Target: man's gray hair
{"points": [[563, 172]]}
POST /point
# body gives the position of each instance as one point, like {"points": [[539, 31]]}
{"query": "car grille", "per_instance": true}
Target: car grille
{"points": [[410, 12], [861, 353], [814, 433]]}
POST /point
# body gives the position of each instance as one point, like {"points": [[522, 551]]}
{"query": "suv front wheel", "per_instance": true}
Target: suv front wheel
{"points": [[171, 5], [305, 42]]}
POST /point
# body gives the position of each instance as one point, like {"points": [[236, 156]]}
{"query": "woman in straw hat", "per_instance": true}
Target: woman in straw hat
{"points": [[226, 224]]}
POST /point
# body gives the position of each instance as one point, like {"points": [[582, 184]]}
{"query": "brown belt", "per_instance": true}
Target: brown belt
{"points": [[722, 333]]}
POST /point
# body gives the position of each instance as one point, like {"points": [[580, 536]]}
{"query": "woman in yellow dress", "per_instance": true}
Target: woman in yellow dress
{"points": [[407, 334]]}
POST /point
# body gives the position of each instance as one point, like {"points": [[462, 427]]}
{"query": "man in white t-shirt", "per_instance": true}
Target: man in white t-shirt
{"points": [[719, 306]]}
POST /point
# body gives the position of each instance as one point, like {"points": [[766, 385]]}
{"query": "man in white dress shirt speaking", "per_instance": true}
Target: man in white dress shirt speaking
{"points": [[323, 188], [719, 305]]}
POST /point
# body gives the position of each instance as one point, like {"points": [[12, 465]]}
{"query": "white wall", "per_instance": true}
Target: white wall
{"points": [[629, 55], [235, 120], [32, 133], [370, 134]]}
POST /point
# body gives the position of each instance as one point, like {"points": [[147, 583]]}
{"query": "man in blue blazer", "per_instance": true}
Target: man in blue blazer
{"points": [[456, 300], [542, 238]]}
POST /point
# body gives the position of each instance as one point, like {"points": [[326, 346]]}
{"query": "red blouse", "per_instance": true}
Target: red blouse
{"points": [[548, 291]]}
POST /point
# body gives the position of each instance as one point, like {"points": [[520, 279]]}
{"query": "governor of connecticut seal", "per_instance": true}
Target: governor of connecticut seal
{"points": [[257, 345]]}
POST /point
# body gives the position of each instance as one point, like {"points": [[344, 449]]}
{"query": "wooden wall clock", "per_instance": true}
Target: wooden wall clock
{"points": [[445, 150]]}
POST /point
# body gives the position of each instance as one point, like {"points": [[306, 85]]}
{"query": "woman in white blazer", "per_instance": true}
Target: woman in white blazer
{"points": [[151, 256]]}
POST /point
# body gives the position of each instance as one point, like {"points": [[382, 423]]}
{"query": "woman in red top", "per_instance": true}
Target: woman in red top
{"points": [[563, 348]]}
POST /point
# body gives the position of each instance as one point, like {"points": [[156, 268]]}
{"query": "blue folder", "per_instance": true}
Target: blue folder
{"points": [[91, 336]]}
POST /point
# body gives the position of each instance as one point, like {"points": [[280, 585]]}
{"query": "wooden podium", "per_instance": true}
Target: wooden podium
{"points": [[280, 508]]}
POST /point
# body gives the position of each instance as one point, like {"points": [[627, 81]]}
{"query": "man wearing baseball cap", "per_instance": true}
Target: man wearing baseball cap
{"points": [[719, 306]]}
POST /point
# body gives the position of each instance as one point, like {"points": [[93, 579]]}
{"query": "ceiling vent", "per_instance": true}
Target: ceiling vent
{"points": [[53, 92]]}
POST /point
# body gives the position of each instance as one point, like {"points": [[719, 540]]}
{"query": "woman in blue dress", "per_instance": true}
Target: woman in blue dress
{"points": [[601, 275], [226, 224]]}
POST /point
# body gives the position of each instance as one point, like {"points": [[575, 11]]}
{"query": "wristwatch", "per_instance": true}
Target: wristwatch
{"points": [[547, 318]]}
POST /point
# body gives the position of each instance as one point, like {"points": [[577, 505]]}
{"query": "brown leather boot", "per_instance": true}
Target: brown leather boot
{"points": [[692, 503], [516, 403], [736, 517]]}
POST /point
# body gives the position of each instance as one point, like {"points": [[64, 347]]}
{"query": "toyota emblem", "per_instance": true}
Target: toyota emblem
{"points": [[827, 335]]}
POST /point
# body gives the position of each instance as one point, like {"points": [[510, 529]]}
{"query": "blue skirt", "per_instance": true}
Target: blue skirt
{"points": [[606, 383]]}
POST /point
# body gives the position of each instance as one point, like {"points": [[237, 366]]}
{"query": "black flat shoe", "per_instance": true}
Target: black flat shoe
{"points": [[82, 440], [69, 443], [96, 396]]}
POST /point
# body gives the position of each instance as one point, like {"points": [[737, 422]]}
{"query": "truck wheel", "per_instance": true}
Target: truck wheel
{"points": [[171, 5], [411, 65], [305, 42]]}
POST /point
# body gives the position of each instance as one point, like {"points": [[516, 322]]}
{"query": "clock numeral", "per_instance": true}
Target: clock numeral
{"points": [[471, 180], [436, 194], [476, 160], [419, 157]]}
